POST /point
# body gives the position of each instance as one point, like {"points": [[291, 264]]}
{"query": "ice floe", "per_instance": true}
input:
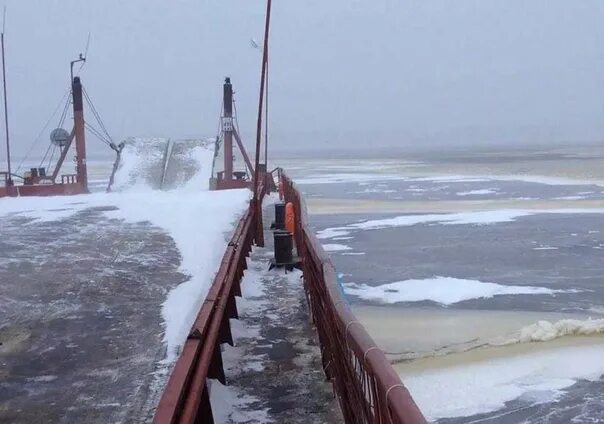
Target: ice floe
{"points": [[458, 218], [481, 192], [443, 290], [465, 390], [334, 247]]}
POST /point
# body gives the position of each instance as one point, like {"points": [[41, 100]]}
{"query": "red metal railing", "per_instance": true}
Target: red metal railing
{"points": [[186, 398], [367, 387]]}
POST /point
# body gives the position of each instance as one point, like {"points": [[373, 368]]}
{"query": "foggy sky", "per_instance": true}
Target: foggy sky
{"points": [[343, 72]]}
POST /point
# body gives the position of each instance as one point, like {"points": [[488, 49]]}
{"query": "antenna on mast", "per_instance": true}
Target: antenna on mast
{"points": [[9, 180], [81, 58]]}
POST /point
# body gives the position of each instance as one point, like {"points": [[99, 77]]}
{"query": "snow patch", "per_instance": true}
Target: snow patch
{"points": [[228, 406]]}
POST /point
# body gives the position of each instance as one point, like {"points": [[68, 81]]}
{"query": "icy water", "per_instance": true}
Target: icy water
{"points": [[481, 276]]}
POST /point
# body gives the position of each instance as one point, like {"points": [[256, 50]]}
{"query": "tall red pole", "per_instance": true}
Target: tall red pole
{"points": [[227, 128], [10, 178], [80, 133], [257, 203], [261, 97]]}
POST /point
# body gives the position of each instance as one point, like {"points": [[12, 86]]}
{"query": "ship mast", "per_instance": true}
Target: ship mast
{"points": [[10, 180]]}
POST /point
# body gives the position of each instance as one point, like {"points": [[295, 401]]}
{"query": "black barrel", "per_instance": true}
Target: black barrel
{"points": [[284, 245], [280, 216], [34, 172]]}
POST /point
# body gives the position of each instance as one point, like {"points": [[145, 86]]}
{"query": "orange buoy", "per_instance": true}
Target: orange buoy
{"points": [[290, 218]]}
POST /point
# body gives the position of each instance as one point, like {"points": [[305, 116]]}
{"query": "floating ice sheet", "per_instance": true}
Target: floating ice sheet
{"points": [[466, 390], [459, 218], [443, 290]]}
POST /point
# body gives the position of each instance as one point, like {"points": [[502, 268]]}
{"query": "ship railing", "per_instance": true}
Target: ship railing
{"points": [[366, 385], [69, 179], [186, 396]]}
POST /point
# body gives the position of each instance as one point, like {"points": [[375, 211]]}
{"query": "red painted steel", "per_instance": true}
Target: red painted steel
{"points": [[227, 128], [80, 133], [186, 397], [367, 387], [70, 184]]}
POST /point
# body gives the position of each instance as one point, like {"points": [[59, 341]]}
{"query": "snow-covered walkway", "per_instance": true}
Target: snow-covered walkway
{"points": [[274, 372]]}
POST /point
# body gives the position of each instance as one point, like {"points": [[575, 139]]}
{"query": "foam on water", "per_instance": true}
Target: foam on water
{"points": [[543, 331]]}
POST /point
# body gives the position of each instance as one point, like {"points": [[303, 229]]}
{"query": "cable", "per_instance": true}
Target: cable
{"points": [[52, 155], [37, 139], [98, 134], [64, 114], [96, 115], [45, 154]]}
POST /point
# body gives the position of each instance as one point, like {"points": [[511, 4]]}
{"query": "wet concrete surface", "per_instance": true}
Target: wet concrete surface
{"points": [[80, 318]]}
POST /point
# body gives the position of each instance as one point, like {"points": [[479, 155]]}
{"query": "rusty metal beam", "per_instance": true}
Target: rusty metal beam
{"points": [[246, 158], [80, 133]]}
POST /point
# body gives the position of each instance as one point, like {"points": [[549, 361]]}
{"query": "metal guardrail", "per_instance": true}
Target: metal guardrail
{"points": [[367, 387], [186, 398]]}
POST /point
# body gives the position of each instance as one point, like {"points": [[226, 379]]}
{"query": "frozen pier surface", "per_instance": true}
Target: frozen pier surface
{"points": [[274, 371], [98, 292]]}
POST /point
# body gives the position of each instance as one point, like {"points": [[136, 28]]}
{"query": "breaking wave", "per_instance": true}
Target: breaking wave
{"points": [[544, 331], [162, 164], [540, 332]]}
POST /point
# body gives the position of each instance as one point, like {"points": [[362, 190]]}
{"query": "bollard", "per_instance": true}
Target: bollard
{"points": [[284, 245], [279, 216]]}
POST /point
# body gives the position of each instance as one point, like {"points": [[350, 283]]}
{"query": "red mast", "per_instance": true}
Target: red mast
{"points": [[227, 128], [80, 133], [10, 178]]}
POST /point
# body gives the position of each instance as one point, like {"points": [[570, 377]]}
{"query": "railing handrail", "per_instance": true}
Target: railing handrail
{"points": [[388, 401], [186, 397]]}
